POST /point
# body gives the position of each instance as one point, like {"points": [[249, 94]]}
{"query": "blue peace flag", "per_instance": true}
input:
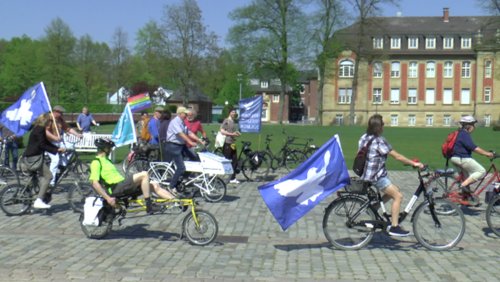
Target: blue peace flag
{"points": [[295, 194], [250, 114], [124, 132], [20, 115]]}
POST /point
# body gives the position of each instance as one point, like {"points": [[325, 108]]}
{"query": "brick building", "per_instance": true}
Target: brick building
{"points": [[416, 71]]}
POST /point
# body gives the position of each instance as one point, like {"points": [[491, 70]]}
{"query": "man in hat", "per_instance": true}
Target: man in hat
{"points": [[177, 137], [154, 125], [54, 133]]}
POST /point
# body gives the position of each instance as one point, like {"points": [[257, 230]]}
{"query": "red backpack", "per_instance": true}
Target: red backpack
{"points": [[449, 144]]}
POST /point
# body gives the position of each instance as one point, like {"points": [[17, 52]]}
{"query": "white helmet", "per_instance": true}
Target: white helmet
{"points": [[468, 119]]}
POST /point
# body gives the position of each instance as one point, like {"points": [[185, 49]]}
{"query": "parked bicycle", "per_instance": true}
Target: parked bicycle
{"points": [[447, 185], [200, 227], [255, 165], [308, 148], [139, 157], [287, 157], [350, 220]]}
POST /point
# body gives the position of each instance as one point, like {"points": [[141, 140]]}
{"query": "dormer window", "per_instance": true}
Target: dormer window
{"points": [[430, 42], [264, 84], [378, 43], [396, 42], [466, 43], [448, 43], [412, 42]]}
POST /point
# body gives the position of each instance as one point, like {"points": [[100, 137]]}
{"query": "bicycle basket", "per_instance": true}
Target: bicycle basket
{"points": [[357, 186]]}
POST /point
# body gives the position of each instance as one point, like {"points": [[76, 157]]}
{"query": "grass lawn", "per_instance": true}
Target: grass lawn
{"points": [[421, 143]]}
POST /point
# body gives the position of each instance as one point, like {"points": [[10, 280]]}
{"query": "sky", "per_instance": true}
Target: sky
{"points": [[101, 18]]}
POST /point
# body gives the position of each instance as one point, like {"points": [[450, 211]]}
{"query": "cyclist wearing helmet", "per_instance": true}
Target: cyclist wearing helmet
{"points": [[462, 153], [109, 183]]}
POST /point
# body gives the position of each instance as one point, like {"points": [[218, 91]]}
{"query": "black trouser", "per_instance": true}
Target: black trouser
{"points": [[229, 151]]}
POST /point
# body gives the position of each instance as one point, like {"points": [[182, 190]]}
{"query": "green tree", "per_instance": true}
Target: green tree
{"points": [[265, 34], [188, 44], [120, 60], [58, 66]]}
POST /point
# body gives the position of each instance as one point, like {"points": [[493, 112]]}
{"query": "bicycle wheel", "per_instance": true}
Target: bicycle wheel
{"points": [[106, 215], [439, 236], [137, 165], [293, 159], [443, 186], [81, 171], [202, 230], [347, 227], [15, 199], [493, 215], [8, 176], [216, 190], [77, 193], [162, 174], [256, 167]]}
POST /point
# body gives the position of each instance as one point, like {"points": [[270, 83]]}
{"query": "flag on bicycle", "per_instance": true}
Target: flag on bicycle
{"points": [[295, 194], [250, 114], [139, 102], [20, 115], [124, 132]]}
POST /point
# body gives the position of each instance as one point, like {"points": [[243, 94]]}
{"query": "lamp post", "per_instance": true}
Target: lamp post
{"points": [[239, 80]]}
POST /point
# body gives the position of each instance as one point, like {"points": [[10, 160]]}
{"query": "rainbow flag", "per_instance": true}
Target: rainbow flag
{"points": [[139, 102]]}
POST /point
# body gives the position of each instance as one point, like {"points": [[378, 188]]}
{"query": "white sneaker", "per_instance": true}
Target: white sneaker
{"points": [[39, 204], [234, 181]]}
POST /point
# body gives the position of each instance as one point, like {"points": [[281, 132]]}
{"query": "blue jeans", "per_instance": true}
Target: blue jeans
{"points": [[174, 153], [11, 147]]}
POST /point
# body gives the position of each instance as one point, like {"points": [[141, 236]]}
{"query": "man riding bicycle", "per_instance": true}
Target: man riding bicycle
{"points": [[110, 184]]}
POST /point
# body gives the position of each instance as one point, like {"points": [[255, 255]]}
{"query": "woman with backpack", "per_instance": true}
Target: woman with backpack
{"points": [[376, 172], [462, 153]]}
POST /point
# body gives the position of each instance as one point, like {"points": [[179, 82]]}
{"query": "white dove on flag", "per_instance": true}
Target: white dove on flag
{"points": [[308, 189], [23, 113]]}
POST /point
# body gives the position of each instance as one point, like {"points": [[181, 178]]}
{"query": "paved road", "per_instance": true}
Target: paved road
{"points": [[251, 247]]}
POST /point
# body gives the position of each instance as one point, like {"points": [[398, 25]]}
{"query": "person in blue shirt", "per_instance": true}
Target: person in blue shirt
{"points": [[154, 125], [462, 153], [84, 120]]}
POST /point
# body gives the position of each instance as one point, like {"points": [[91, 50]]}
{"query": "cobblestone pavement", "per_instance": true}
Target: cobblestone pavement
{"points": [[251, 247]]}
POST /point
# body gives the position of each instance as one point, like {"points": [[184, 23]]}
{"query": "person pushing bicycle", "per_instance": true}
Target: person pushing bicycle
{"points": [[110, 184], [462, 154]]}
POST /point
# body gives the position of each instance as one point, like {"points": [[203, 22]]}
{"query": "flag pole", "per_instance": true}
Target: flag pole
{"points": [[50, 109]]}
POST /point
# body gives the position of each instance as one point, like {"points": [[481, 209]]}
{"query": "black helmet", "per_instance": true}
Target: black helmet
{"points": [[103, 143]]}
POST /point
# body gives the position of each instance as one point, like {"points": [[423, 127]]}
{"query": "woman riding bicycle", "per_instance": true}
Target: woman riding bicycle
{"points": [[462, 154], [109, 183], [376, 172]]}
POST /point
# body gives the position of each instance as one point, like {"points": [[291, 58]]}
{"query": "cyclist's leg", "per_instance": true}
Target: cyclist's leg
{"points": [[473, 171], [390, 190], [54, 163]]}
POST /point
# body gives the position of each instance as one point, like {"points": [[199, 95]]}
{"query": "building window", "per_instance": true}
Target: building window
{"points": [[465, 96], [377, 69], [395, 42], [413, 70], [395, 67], [339, 119], [447, 120], [487, 69], [466, 43], [395, 96], [448, 43], [412, 96], [413, 42], [466, 69], [430, 96], [430, 43], [429, 120], [378, 43], [447, 96], [276, 98], [264, 84], [394, 120], [345, 95], [430, 70], [448, 69], [412, 120], [377, 95], [346, 69], [487, 95], [487, 120]]}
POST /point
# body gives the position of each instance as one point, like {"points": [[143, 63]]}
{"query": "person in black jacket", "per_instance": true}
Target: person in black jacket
{"points": [[38, 144]]}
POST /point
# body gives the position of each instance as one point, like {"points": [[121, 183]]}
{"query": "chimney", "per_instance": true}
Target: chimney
{"points": [[446, 15]]}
